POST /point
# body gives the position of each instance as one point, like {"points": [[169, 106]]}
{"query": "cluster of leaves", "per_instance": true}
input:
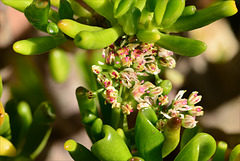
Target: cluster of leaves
{"points": [[23, 135], [149, 20]]}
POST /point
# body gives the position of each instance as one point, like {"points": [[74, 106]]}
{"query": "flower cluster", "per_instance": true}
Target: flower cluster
{"points": [[127, 60], [149, 95], [141, 57], [123, 64], [183, 108]]}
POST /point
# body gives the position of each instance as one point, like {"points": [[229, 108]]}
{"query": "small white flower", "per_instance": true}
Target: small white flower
{"points": [[165, 115], [127, 77], [114, 74], [180, 94], [152, 68], [167, 62], [164, 53], [110, 94], [194, 98], [189, 121], [142, 105], [163, 100], [96, 69], [127, 109], [196, 111]]}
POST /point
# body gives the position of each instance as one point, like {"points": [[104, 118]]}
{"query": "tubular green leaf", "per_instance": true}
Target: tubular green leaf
{"points": [[17, 4], [39, 130], [173, 12], [111, 147], [187, 135], [148, 35], [200, 148], [235, 154], [59, 65], [122, 7], [145, 16], [21, 5], [96, 129], [203, 17], [159, 11], [88, 109], [131, 21], [98, 39], [171, 134], [72, 28], [151, 4], [5, 129], [189, 10], [79, 152], [148, 139], [181, 45], [149, 114], [7, 148], [122, 134], [65, 10], [103, 7], [220, 151], [53, 16], [38, 45], [20, 119], [37, 14], [140, 4], [79, 10], [85, 103], [88, 118], [55, 3], [106, 110]]}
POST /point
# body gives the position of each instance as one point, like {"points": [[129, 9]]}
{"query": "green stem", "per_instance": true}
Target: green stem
{"points": [[157, 79], [121, 90], [125, 123], [115, 117]]}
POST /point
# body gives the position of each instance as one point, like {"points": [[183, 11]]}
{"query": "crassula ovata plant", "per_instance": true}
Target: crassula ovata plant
{"points": [[138, 41]]}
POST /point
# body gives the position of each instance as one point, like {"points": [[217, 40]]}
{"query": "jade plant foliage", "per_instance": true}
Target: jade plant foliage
{"points": [[138, 39], [23, 135]]}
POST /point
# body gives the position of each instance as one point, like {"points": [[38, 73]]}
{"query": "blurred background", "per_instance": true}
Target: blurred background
{"points": [[215, 74]]}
